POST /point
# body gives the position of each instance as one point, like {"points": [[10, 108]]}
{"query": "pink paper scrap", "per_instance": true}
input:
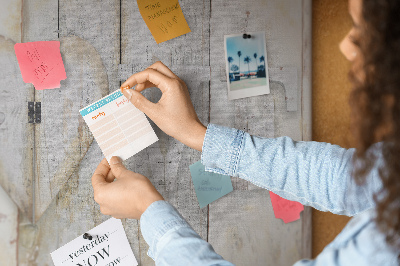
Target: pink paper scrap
{"points": [[41, 63], [284, 209]]}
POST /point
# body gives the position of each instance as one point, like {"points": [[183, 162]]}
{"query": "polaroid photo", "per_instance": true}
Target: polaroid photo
{"points": [[246, 65]]}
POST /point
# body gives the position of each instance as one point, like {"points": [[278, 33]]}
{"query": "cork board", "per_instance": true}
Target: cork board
{"points": [[330, 108]]}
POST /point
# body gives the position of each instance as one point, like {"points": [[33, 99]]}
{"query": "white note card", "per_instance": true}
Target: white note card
{"points": [[118, 126], [108, 247]]}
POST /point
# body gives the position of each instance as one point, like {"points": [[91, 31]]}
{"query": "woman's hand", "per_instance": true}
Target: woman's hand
{"points": [[127, 197], [174, 112]]}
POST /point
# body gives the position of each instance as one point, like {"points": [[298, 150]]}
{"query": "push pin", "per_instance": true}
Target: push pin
{"points": [[87, 236], [246, 36], [124, 88]]}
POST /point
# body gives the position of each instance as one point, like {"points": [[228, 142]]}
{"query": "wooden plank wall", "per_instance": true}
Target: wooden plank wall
{"points": [[16, 137], [263, 116], [101, 45]]}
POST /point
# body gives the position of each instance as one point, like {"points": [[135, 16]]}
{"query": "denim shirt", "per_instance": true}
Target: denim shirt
{"points": [[312, 173]]}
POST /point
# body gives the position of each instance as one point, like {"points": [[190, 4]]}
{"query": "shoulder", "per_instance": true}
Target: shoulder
{"points": [[361, 241]]}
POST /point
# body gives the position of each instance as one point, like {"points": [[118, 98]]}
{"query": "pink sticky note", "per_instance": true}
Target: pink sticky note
{"points": [[41, 63], [284, 209]]}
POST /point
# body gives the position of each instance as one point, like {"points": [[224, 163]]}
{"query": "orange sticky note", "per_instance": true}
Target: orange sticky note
{"points": [[284, 209], [164, 18], [41, 63]]}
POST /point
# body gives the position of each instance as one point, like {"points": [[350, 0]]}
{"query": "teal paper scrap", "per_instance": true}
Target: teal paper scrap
{"points": [[209, 186]]}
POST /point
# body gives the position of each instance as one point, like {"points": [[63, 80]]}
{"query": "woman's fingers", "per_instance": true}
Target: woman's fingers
{"points": [[118, 169], [141, 102], [110, 177], [159, 80], [142, 86], [157, 66], [146, 79], [160, 67], [100, 174]]}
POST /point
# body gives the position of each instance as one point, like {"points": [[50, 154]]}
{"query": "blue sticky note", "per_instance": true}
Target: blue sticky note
{"points": [[209, 186]]}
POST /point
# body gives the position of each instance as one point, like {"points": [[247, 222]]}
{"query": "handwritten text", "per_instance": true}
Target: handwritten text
{"points": [[121, 102], [153, 6], [100, 114], [163, 11]]}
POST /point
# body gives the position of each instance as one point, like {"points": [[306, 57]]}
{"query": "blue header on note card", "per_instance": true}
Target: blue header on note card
{"points": [[101, 103]]}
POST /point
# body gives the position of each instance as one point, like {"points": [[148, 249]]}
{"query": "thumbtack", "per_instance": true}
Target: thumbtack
{"points": [[246, 36], [87, 236], [124, 88]]}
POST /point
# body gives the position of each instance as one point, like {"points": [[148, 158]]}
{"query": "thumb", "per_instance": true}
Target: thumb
{"points": [[117, 167], [138, 100], [100, 174]]}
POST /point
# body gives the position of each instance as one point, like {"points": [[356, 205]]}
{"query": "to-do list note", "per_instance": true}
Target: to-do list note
{"points": [[164, 18], [118, 126]]}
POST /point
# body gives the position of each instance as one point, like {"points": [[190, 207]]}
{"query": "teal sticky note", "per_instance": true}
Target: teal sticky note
{"points": [[209, 186]]}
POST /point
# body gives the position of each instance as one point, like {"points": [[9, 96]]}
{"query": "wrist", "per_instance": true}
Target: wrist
{"points": [[195, 137], [146, 205]]}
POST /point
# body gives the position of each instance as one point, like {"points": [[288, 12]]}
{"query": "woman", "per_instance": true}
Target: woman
{"points": [[316, 174]]}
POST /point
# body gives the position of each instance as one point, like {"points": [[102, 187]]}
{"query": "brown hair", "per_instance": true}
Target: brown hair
{"points": [[375, 103]]}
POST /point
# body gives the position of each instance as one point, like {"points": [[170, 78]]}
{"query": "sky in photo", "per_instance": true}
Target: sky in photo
{"points": [[256, 44]]}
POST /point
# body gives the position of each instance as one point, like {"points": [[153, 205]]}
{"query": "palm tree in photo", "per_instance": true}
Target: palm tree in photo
{"points": [[247, 60], [262, 59], [234, 68], [239, 55], [255, 58], [230, 60]]}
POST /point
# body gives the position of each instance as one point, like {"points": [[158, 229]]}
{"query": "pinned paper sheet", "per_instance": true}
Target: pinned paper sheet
{"points": [[164, 18], [284, 209], [118, 126], [108, 246], [209, 186], [41, 63]]}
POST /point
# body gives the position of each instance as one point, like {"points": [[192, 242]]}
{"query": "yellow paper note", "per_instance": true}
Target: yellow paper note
{"points": [[164, 18]]}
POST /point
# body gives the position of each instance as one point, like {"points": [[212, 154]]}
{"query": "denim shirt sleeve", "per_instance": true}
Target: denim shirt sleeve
{"points": [[172, 241], [360, 243], [313, 173]]}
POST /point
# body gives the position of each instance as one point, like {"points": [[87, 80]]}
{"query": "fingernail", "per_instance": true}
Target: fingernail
{"points": [[115, 160], [128, 93]]}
